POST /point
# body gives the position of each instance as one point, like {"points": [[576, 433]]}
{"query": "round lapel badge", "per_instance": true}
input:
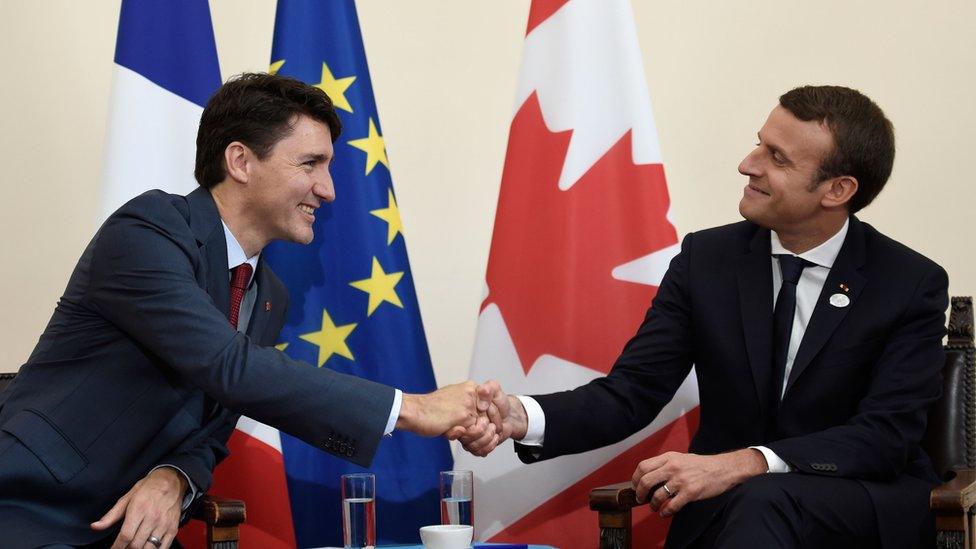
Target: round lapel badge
{"points": [[840, 300]]}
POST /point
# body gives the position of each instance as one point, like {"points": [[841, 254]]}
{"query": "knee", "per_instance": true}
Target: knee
{"points": [[761, 494]]}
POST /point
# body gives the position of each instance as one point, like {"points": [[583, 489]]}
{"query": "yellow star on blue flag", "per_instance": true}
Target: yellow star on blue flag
{"points": [[353, 305]]}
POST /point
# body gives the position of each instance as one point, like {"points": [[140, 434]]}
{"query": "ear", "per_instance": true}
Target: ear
{"points": [[840, 190], [238, 160]]}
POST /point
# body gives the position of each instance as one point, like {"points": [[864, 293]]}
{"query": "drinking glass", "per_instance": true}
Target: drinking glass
{"points": [[457, 497], [359, 510]]}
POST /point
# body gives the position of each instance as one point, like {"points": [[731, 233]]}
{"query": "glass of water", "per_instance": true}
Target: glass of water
{"points": [[359, 510], [457, 497]]}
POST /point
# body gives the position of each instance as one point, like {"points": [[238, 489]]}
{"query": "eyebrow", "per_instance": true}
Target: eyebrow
{"points": [[775, 149], [318, 157]]}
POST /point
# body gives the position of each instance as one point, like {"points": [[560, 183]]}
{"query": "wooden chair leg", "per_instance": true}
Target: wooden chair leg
{"points": [[953, 532], [223, 518], [613, 503], [223, 537], [615, 529]]}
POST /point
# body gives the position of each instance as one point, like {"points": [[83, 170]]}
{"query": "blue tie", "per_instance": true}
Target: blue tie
{"points": [[791, 267]]}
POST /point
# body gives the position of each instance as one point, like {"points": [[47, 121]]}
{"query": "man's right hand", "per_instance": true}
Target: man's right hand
{"points": [[433, 414], [151, 508], [506, 419]]}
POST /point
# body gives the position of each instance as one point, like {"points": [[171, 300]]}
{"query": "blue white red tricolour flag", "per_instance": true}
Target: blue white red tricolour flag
{"points": [[165, 70], [353, 306], [581, 241]]}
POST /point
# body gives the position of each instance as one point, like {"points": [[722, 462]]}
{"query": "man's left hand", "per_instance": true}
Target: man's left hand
{"points": [[151, 508], [691, 477]]}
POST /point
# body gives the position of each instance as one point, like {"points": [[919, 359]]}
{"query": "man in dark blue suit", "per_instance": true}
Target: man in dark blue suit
{"points": [[162, 339], [817, 346]]}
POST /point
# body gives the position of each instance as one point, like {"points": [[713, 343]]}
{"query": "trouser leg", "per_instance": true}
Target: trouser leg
{"points": [[794, 510]]}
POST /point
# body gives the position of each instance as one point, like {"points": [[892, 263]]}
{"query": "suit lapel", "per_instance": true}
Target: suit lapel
{"points": [[755, 279], [827, 317], [264, 306], [209, 232]]}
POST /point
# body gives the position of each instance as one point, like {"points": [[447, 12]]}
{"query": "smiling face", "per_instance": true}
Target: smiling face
{"points": [[782, 193], [291, 182]]}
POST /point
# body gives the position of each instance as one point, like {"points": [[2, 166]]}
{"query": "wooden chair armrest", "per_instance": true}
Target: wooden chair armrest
{"points": [[218, 511], [615, 497], [956, 495]]}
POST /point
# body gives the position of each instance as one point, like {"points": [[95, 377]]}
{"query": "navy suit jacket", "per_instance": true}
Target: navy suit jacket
{"points": [[857, 397], [137, 348]]}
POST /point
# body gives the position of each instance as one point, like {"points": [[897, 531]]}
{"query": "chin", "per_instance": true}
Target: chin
{"points": [[744, 210], [299, 237], [751, 215]]}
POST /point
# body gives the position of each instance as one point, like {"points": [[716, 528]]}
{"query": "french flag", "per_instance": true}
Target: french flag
{"points": [[165, 70]]}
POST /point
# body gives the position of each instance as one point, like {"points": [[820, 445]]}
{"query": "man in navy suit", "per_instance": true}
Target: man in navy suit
{"points": [[162, 338], [816, 342]]}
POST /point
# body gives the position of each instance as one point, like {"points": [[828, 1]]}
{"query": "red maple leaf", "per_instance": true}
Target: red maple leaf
{"points": [[540, 10], [553, 251]]}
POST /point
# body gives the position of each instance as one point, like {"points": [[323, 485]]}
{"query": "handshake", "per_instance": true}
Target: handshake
{"points": [[480, 416]]}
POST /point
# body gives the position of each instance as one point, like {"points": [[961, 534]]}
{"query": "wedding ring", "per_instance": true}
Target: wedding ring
{"points": [[155, 541], [666, 489]]}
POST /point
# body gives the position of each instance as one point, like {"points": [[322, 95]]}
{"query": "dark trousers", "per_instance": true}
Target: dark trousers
{"points": [[787, 510]]}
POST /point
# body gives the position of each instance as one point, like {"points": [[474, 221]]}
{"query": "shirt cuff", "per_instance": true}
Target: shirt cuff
{"points": [[774, 463], [394, 413], [191, 492], [535, 429]]}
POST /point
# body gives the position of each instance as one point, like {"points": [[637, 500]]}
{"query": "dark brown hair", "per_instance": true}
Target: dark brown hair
{"points": [[258, 110], [864, 140]]}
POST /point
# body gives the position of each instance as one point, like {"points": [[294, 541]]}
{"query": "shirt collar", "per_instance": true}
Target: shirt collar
{"points": [[823, 255], [235, 253]]}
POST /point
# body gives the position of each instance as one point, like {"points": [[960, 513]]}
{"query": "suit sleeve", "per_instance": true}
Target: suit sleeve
{"points": [[643, 380], [199, 462], [143, 280], [890, 420]]}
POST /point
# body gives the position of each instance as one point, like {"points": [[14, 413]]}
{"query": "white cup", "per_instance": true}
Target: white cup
{"points": [[447, 536]]}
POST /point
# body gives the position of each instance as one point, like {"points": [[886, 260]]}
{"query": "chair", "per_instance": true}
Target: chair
{"points": [[222, 516], [949, 441]]}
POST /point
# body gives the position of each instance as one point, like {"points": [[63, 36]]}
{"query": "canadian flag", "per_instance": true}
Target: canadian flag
{"points": [[581, 241]]}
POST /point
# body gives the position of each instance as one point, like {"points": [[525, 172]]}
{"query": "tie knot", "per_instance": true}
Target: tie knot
{"points": [[791, 267], [240, 276]]}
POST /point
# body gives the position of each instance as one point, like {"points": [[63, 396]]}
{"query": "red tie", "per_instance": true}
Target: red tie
{"points": [[239, 277]]}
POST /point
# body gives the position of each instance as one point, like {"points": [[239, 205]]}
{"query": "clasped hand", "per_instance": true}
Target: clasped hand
{"points": [[480, 416], [504, 417]]}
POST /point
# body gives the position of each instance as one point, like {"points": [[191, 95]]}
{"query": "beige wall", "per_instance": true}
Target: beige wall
{"points": [[444, 76]]}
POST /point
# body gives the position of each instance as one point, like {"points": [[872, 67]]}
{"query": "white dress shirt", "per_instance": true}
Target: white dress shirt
{"points": [[236, 256], [807, 294]]}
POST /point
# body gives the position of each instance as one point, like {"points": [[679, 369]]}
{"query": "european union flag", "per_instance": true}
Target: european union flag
{"points": [[353, 306]]}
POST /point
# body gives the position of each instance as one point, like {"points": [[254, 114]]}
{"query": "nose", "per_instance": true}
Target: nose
{"points": [[324, 189], [750, 164]]}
